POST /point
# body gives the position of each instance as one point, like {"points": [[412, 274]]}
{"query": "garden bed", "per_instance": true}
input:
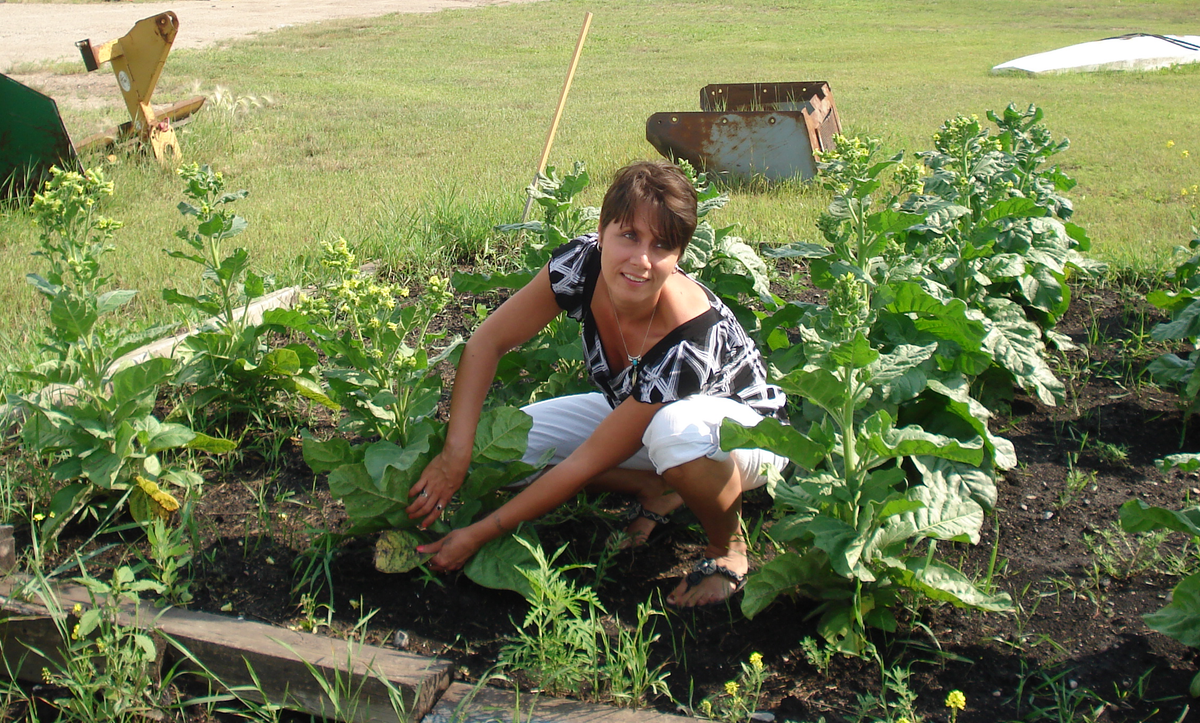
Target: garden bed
{"points": [[1075, 640]]}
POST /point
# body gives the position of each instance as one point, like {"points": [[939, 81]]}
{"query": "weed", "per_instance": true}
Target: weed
{"points": [[739, 698], [1114, 454], [1122, 555], [168, 561], [556, 643], [819, 656], [309, 620], [105, 671], [628, 676], [1077, 482], [314, 566]]}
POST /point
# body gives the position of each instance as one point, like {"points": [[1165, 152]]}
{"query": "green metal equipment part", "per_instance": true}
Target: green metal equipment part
{"points": [[32, 139]]}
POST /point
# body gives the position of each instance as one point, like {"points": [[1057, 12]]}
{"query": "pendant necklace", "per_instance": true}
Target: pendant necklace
{"points": [[634, 361]]}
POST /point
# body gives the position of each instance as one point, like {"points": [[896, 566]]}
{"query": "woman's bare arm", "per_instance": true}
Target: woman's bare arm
{"points": [[516, 321], [617, 438]]}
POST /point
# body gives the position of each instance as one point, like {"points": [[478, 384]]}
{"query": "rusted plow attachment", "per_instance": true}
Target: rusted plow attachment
{"points": [[749, 130]]}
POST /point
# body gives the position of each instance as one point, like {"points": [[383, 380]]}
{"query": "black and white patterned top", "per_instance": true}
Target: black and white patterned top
{"points": [[710, 354]]}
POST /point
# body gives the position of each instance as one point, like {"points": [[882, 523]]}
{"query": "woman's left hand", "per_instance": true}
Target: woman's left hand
{"points": [[452, 551]]}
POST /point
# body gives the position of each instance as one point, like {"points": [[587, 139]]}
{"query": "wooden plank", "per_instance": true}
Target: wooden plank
{"points": [[284, 661], [464, 703], [230, 649]]}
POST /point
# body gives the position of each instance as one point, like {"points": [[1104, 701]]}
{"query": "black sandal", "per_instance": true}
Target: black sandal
{"points": [[707, 567], [662, 522]]}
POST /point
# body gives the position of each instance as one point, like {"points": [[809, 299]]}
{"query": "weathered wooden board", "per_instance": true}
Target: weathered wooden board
{"points": [[285, 662], [464, 703]]}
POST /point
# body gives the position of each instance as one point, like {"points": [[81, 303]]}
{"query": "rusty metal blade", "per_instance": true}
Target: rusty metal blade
{"points": [[751, 129]]}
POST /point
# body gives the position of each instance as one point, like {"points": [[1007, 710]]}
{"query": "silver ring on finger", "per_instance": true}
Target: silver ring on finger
{"points": [[424, 493], [440, 507]]}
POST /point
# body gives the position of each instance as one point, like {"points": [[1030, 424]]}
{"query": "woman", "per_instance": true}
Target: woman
{"points": [[671, 363]]}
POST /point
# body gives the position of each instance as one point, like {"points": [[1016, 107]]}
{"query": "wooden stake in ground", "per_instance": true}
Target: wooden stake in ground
{"points": [[562, 102]]}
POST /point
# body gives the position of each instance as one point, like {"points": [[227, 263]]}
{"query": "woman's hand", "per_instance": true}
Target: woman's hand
{"points": [[452, 551], [432, 492]]}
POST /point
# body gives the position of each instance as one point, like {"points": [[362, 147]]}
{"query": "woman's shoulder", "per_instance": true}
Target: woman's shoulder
{"points": [[572, 272]]}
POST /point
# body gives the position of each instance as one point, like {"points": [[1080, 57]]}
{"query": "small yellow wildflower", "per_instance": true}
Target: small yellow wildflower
{"points": [[39, 517], [731, 688], [77, 609], [1170, 144], [75, 633], [903, 719], [1184, 154], [956, 700], [756, 660]]}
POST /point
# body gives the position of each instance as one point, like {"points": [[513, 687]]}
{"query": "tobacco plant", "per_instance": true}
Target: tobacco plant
{"points": [[874, 488], [986, 224], [1179, 619], [227, 360], [377, 342], [100, 430], [1183, 304], [80, 343]]}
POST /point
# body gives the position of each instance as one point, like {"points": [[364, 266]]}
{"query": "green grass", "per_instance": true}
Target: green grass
{"points": [[404, 131]]}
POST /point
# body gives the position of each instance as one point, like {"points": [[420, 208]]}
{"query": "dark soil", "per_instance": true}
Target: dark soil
{"points": [[1077, 631]]}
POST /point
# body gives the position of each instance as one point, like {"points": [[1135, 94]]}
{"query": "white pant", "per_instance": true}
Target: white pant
{"points": [[680, 432]]}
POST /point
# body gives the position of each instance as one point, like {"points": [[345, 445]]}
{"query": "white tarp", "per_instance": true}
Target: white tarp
{"points": [[1137, 51]]}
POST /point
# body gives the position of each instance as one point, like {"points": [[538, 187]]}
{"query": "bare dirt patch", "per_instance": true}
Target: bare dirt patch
{"points": [[46, 32]]}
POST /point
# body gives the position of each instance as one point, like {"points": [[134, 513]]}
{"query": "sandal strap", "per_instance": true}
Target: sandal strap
{"points": [[637, 511], [708, 567]]}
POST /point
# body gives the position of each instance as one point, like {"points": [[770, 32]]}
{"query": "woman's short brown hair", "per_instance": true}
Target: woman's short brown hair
{"points": [[663, 191]]}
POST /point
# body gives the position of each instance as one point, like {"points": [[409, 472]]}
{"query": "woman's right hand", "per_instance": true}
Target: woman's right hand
{"points": [[432, 492]]}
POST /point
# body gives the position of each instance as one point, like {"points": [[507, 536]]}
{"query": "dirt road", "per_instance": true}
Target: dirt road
{"points": [[48, 31]]}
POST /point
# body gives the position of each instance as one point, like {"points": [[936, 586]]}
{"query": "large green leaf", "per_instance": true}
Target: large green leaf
{"points": [[498, 564], [911, 440], [73, 315], [939, 581], [1184, 462], [773, 435], [823, 389], [169, 436], [309, 389], [113, 300], [898, 364], [212, 445], [945, 514], [328, 456], [1180, 620], [781, 574], [843, 544], [141, 379], [502, 435], [947, 320], [1186, 325], [1017, 347], [1137, 516], [967, 480]]}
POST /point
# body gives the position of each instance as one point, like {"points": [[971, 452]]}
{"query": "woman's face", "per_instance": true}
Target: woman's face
{"points": [[633, 262]]}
